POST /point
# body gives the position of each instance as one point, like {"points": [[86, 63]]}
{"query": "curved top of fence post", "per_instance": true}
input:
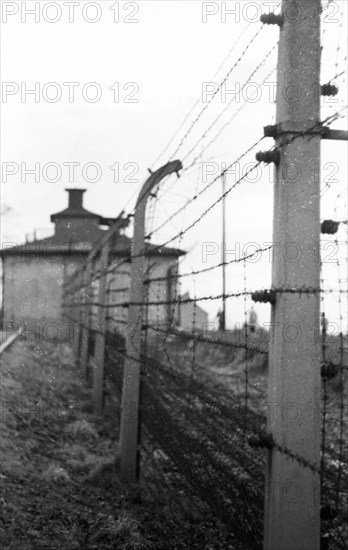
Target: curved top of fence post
{"points": [[155, 177]]}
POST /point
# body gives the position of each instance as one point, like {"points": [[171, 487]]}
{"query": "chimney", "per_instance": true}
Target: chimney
{"points": [[75, 198]]}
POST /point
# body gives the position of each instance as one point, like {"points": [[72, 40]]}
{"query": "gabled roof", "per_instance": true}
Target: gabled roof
{"points": [[74, 213], [121, 246]]}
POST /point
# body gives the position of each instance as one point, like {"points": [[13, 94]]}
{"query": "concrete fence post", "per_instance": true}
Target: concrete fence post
{"points": [[75, 314], [99, 354], [292, 501], [83, 360], [132, 368]]}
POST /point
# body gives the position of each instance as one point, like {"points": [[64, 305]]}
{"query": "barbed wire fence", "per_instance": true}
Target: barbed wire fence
{"points": [[202, 412]]}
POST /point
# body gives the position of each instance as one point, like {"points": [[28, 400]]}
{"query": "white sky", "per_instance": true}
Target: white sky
{"points": [[168, 54]]}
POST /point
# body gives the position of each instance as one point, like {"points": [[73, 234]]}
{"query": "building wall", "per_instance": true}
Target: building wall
{"points": [[33, 293], [78, 230], [192, 319], [118, 285], [188, 316], [33, 286]]}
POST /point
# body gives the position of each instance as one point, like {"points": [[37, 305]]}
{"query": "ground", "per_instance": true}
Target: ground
{"points": [[51, 441], [53, 445]]}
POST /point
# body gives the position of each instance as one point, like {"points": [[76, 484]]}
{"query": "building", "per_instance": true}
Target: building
{"points": [[191, 317], [34, 272]]}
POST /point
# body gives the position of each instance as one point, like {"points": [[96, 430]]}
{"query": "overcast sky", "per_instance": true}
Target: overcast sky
{"points": [[148, 69]]}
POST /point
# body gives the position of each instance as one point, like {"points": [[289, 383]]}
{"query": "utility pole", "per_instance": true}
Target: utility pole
{"points": [[131, 375], [292, 500], [223, 321]]}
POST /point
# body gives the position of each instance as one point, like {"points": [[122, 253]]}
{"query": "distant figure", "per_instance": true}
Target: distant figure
{"points": [[221, 319], [324, 323], [252, 324]]}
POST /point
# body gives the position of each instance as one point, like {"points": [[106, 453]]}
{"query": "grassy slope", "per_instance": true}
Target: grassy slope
{"points": [[50, 441]]}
